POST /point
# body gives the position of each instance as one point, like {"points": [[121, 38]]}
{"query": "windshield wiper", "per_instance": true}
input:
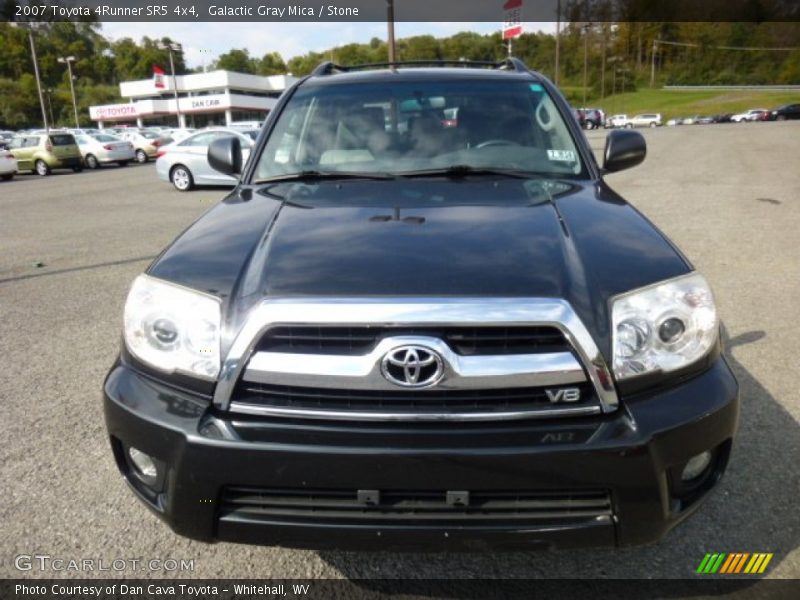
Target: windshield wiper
{"points": [[456, 171], [314, 175]]}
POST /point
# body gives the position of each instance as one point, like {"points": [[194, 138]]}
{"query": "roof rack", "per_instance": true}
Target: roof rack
{"points": [[508, 64]]}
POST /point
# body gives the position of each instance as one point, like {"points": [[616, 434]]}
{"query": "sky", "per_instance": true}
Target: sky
{"points": [[203, 42]]}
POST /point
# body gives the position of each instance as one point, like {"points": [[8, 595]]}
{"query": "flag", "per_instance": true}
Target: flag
{"points": [[158, 77], [512, 19]]}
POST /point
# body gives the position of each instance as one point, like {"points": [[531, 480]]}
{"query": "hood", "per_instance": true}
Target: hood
{"points": [[471, 237]]}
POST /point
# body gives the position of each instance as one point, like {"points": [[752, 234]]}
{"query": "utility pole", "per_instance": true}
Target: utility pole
{"points": [[558, 38], [586, 29], [69, 60], [173, 47], [603, 67], [50, 104], [653, 64], [390, 31]]}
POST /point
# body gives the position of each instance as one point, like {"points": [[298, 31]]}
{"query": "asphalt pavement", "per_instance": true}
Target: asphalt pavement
{"points": [[70, 245]]}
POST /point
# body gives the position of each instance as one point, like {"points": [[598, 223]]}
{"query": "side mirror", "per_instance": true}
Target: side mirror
{"points": [[225, 155], [624, 149]]}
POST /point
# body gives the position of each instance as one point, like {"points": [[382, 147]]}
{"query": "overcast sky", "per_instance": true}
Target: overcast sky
{"points": [[203, 42]]}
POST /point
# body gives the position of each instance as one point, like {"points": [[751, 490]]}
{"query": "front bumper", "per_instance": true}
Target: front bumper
{"points": [[634, 456]]}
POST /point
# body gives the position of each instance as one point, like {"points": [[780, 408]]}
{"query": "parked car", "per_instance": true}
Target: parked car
{"points": [[5, 139], [645, 120], [785, 112], [185, 163], [722, 118], [42, 152], [179, 134], [102, 149], [593, 118], [617, 121], [145, 143], [449, 338], [751, 115], [675, 121], [8, 165]]}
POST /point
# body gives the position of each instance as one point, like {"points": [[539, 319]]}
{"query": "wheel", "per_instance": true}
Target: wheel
{"points": [[8, 177], [181, 178], [629, 125], [780, 118], [589, 125], [41, 168], [77, 169], [123, 163], [91, 161], [141, 156], [652, 124]]}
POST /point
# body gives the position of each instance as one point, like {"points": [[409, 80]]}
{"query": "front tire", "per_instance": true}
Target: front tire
{"points": [[181, 178], [629, 126], [652, 125], [41, 168], [91, 161], [141, 157], [780, 118], [8, 177]]}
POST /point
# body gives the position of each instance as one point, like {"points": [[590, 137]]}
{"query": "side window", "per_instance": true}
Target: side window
{"points": [[31, 142], [17, 143], [204, 139]]}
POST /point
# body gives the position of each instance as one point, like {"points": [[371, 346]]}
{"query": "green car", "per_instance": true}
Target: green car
{"points": [[42, 152]]}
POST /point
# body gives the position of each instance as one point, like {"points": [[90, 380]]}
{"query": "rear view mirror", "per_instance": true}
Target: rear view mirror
{"points": [[624, 149], [225, 155]]}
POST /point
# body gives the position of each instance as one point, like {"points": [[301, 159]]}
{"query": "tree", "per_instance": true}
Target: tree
{"points": [[236, 60], [271, 64]]}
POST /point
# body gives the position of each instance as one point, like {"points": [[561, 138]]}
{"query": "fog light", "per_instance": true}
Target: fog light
{"points": [[144, 465], [696, 465]]}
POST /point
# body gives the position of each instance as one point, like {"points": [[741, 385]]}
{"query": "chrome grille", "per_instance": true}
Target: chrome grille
{"points": [[321, 358]]}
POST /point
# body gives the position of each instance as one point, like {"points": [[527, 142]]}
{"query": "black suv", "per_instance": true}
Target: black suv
{"points": [[422, 320]]}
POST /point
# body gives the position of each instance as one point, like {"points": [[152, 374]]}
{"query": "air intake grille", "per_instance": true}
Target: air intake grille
{"points": [[413, 401], [467, 341], [435, 507]]}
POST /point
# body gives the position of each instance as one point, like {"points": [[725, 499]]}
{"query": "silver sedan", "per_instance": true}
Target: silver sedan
{"points": [[185, 163]]}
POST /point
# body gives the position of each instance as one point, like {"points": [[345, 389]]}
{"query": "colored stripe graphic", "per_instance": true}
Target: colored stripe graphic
{"points": [[734, 563]]}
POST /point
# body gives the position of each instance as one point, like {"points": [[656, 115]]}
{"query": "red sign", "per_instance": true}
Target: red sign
{"points": [[158, 77], [512, 19]]}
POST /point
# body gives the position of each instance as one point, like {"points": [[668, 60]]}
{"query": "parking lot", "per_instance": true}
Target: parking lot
{"points": [[728, 195]]}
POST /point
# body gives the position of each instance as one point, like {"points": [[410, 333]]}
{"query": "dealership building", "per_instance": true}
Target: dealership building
{"points": [[213, 98]]}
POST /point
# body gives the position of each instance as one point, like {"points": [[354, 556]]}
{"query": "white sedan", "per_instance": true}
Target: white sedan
{"points": [[185, 163], [8, 165], [101, 149], [750, 115]]}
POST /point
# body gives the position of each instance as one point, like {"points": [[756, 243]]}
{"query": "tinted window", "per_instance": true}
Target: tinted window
{"points": [[62, 139], [404, 126]]}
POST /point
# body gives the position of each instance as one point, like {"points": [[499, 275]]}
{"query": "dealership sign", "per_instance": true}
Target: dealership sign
{"points": [[512, 19], [113, 111]]}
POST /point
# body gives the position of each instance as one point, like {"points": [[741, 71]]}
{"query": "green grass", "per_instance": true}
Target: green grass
{"points": [[674, 103]]}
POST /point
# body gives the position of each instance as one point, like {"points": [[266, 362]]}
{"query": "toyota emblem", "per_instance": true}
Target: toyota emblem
{"points": [[412, 366]]}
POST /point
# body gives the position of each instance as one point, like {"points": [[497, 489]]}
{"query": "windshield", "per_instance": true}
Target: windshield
{"points": [[403, 127]]}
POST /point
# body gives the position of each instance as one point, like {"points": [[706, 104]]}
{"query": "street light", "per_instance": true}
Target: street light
{"points": [[173, 47], [30, 27], [69, 60]]}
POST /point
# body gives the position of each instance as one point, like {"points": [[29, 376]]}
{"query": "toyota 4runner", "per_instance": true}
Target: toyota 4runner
{"points": [[422, 320]]}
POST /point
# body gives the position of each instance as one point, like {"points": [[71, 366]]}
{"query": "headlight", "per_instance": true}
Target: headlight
{"points": [[663, 327], [173, 328]]}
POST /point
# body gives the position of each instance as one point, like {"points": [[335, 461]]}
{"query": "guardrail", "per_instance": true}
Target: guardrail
{"points": [[739, 88]]}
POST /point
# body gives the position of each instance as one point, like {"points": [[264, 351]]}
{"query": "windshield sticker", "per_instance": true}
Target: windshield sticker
{"points": [[561, 155]]}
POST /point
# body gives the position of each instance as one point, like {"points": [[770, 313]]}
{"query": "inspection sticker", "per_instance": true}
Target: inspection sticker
{"points": [[562, 155]]}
